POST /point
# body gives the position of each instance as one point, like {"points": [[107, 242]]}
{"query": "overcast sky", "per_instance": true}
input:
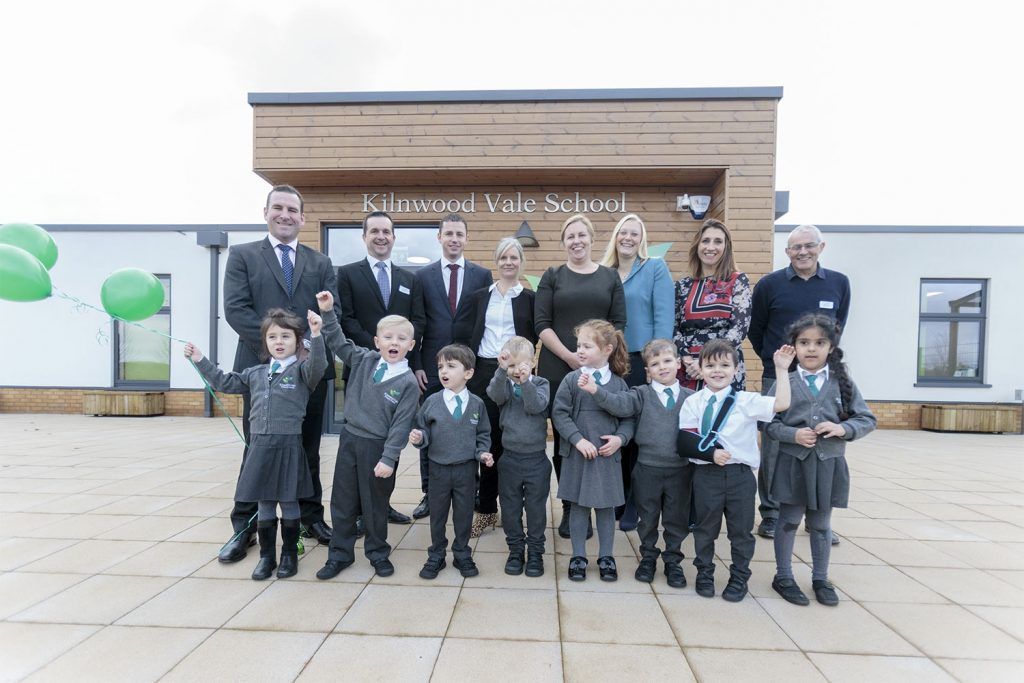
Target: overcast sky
{"points": [[135, 112]]}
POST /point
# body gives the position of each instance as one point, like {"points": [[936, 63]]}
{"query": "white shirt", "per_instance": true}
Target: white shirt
{"points": [[449, 400], [294, 244], [394, 369], [499, 326], [659, 389], [739, 433], [606, 374], [373, 268], [819, 382], [285, 362], [446, 275]]}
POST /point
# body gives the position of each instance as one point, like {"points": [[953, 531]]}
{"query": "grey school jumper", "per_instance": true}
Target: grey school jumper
{"points": [[656, 425], [524, 422], [455, 447]]}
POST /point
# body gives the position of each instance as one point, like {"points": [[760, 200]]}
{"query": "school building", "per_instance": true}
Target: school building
{"points": [[513, 163]]}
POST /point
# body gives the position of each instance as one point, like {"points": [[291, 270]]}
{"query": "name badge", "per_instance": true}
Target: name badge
{"points": [[403, 289], [826, 304]]}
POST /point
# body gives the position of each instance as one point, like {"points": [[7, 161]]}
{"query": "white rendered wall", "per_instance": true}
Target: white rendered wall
{"points": [[885, 271]]}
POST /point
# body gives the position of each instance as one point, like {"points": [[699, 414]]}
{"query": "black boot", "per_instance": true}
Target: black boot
{"points": [[289, 548], [266, 531]]}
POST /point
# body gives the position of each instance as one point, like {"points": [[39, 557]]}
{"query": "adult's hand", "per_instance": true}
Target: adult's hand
{"points": [[421, 379]]}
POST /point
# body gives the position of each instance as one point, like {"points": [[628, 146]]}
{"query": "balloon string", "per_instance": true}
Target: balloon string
{"points": [[65, 295]]}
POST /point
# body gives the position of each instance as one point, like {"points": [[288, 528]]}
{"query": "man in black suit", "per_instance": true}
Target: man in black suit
{"points": [[373, 287], [257, 279], [443, 283]]}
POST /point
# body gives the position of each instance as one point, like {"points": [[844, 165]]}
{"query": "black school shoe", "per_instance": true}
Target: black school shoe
{"points": [[705, 586], [466, 567], [514, 563], [766, 529], [432, 567], [825, 593], [835, 538], [674, 575], [578, 568], [790, 592], [606, 565], [645, 570], [383, 567], [534, 564], [735, 591], [331, 569]]}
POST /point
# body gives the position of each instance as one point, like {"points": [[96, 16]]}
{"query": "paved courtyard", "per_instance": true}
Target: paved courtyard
{"points": [[111, 526]]}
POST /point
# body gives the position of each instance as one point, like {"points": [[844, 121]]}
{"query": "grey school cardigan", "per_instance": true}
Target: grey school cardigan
{"points": [[374, 410], [565, 411], [453, 441], [524, 419], [278, 403]]}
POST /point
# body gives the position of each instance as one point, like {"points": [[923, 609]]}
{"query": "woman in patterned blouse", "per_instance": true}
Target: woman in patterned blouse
{"points": [[713, 302]]}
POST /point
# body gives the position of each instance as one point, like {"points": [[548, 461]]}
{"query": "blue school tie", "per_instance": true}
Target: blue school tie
{"points": [[517, 390], [671, 402], [709, 416], [458, 407], [811, 384], [286, 266], [382, 283], [597, 377], [378, 375], [274, 367]]}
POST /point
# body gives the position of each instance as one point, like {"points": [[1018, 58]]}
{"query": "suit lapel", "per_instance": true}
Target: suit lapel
{"points": [[274, 265], [395, 283], [371, 280], [300, 263], [436, 281]]}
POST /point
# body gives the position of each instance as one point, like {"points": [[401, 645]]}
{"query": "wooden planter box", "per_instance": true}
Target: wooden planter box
{"points": [[971, 418], [127, 403]]}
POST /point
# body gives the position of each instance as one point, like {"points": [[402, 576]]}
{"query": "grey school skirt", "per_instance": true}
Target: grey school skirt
{"points": [[275, 469], [813, 483]]}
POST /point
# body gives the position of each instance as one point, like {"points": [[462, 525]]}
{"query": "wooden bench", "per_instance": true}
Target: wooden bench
{"points": [[967, 417], [123, 403]]}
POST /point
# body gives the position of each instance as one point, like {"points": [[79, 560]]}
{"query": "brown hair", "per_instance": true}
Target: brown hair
{"points": [[452, 218], [287, 189], [605, 334], [286, 320], [726, 265], [716, 348], [460, 353], [656, 347], [376, 214]]}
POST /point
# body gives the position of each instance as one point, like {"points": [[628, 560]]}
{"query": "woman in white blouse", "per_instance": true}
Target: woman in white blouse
{"points": [[502, 311]]}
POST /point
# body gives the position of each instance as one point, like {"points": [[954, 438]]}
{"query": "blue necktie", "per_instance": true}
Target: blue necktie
{"points": [[811, 383], [457, 414], [378, 374], [517, 390], [597, 378], [382, 282], [671, 402], [708, 417], [286, 266], [274, 367]]}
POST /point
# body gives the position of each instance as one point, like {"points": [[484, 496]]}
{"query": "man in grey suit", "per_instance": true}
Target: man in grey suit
{"points": [[447, 285], [277, 272]]}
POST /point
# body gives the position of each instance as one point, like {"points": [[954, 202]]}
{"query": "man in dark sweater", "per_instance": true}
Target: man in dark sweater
{"points": [[779, 299], [453, 424]]}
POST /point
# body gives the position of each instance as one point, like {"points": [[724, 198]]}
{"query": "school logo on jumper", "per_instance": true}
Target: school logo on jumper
{"points": [[392, 396], [475, 418], [287, 382]]}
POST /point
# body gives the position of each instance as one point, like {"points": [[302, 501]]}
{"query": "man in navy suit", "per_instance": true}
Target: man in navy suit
{"points": [[256, 279], [444, 283], [362, 286]]}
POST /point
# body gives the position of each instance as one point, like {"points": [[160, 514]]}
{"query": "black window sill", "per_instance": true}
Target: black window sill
{"points": [[950, 385]]}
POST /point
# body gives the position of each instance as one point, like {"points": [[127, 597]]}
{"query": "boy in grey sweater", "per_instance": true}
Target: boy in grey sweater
{"points": [[524, 471], [454, 424], [381, 399]]}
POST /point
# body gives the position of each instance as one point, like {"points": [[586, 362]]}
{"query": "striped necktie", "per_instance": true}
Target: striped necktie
{"points": [[274, 367], [379, 373]]}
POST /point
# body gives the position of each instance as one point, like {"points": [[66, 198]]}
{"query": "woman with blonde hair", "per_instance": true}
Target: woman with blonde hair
{"points": [[647, 285], [569, 294]]}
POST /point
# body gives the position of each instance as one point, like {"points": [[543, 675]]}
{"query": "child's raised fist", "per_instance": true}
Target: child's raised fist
{"points": [[587, 383], [325, 300], [315, 323], [503, 359]]}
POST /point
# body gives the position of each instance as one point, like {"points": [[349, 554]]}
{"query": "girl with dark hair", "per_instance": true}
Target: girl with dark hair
{"points": [[811, 476]]}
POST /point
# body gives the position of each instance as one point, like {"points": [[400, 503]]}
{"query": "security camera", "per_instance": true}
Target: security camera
{"points": [[683, 202]]}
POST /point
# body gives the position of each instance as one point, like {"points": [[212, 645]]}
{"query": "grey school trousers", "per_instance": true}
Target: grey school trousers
{"points": [[662, 493], [451, 488], [357, 488], [524, 481]]}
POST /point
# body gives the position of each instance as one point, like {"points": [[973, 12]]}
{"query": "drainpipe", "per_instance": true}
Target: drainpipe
{"points": [[214, 241]]}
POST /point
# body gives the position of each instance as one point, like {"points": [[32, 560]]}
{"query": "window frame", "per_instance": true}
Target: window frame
{"points": [[117, 382], [980, 317]]}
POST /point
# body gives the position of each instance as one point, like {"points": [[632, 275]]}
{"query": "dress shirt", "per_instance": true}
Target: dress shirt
{"points": [[606, 374], [822, 375], [394, 369], [739, 433], [659, 389], [499, 326], [446, 275], [285, 362], [373, 269], [294, 244], [449, 400]]}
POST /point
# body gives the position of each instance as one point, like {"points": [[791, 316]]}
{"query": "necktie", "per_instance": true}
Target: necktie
{"points": [[274, 367], [811, 383], [709, 416], [286, 266], [597, 377], [378, 374], [453, 287], [671, 402], [382, 282], [517, 390], [458, 407]]}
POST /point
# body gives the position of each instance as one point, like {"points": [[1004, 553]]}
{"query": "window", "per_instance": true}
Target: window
{"points": [[951, 333], [143, 358]]}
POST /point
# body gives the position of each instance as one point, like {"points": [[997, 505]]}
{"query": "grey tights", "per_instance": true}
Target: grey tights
{"points": [[819, 523], [579, 518], [267, 510]]}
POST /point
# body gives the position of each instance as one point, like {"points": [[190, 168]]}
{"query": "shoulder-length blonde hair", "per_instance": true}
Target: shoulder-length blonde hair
{"points": [[726, 265], [611, 252]]}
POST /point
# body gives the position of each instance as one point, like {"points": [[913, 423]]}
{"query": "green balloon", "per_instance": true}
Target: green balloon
{"points": [[22, 276], [132, 294], [32, 239]]}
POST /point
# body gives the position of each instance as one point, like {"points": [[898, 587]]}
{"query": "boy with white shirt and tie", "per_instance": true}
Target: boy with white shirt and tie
{"points": [[727, 485], [381, 399], [453, 424]]}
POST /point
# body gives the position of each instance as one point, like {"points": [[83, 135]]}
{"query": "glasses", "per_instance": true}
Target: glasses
{"points": [[808, 246]]}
